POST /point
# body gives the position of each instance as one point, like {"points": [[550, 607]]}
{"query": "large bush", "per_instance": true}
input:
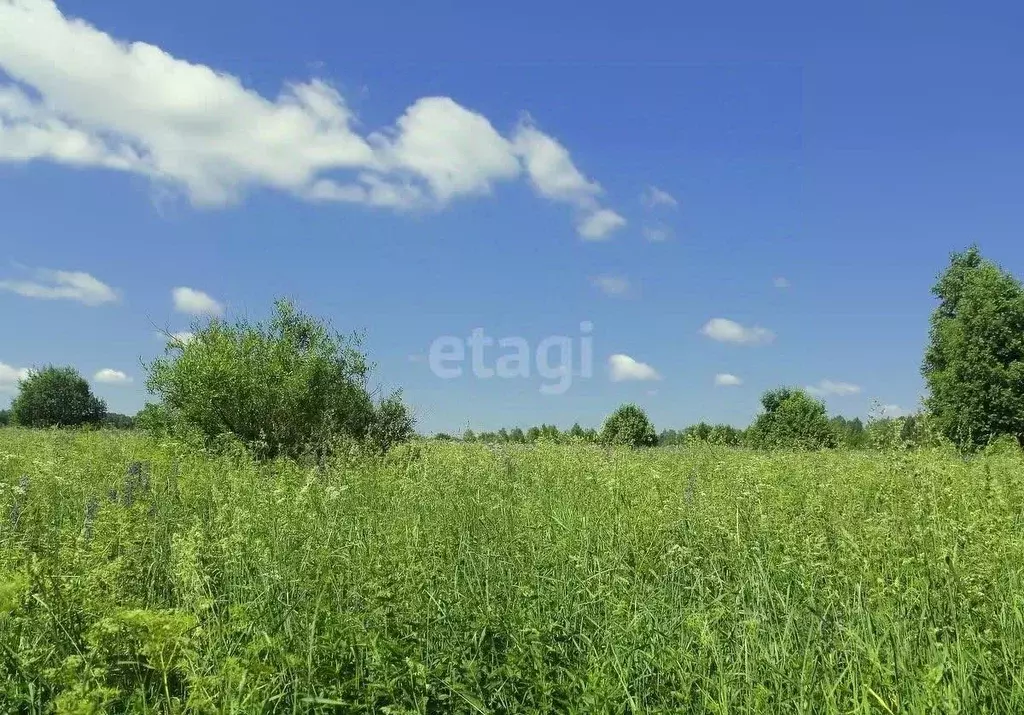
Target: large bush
{"points": [[630, 426], [974, 365], [286, 387], [791, 420], [56, 397]]}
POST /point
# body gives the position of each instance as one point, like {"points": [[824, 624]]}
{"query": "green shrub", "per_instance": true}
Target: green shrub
{"points": [[791, 420], [392, 423], [56, 397], [288, 387], [630, 426]]}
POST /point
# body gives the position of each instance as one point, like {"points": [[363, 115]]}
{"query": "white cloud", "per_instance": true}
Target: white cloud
{"points": [[184, 337], [47, 284], [892, 411], [600, 224], [611, 285], [623, 367], [195, 302], [653, 197], [82, 98], [112, 377], [830, 388], [9, 376], [729, 331], [551, 169], [781, 282], [724, 379], [657, 234], [554, 176], [455, 150]]}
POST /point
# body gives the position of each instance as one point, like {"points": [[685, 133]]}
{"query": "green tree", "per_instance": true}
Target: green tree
{"points": [[725, 435], [392, 423], [851, 433], [630, 426], [114, 420], [516, 435], [285, 387], [56, 397], [5, 418], [576, 433], [468, 435], [155, 419], [533, 434], [791, 420], [974, 364]]}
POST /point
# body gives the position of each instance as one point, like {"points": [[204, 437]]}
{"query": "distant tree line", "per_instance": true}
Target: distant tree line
{"points": [[804, 426], [291, 386]]}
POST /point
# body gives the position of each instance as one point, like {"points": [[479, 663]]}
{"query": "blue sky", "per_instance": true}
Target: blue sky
{"points": [[417, 172]]}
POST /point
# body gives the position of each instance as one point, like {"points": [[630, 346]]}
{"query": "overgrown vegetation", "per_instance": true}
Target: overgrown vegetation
{"points": [[140, 576], [288, 387]]}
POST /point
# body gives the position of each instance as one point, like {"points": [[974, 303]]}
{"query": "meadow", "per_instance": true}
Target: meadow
{"points": [[146, 576]]}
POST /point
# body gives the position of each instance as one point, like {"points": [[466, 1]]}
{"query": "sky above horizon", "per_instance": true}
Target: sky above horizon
{"points": [[705, 201]]}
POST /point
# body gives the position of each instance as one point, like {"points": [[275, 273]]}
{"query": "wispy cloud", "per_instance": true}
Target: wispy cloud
{"points": [[611, 285], [729, 331], [781, 282], [623, 367], [832, 388], [47, 284], [892, 411], [657, 233], [653, 197]]}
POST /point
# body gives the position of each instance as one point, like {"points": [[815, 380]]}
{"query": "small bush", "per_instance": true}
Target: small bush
{"points": [[791, 420], [629, 426], [288, 387]]}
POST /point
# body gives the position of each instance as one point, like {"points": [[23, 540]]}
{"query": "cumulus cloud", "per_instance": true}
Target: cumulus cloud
{"points": [[9, 376], [195, 302], [728, 331], [599, 225], [82, 98], [111, 377], [724, 379], [652, 197], [781, 282], [611, 285], [623, 367], [831, 388], [47, 284]]}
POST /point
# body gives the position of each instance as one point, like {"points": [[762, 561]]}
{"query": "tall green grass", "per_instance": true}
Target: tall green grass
{"points": [[451, 578]]}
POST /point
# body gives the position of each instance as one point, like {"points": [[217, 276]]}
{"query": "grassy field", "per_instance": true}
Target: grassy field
{"points": [[454, 578]]}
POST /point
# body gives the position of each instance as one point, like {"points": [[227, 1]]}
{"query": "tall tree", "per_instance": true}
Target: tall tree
{"points": [[56, 397], [974, 364]]}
